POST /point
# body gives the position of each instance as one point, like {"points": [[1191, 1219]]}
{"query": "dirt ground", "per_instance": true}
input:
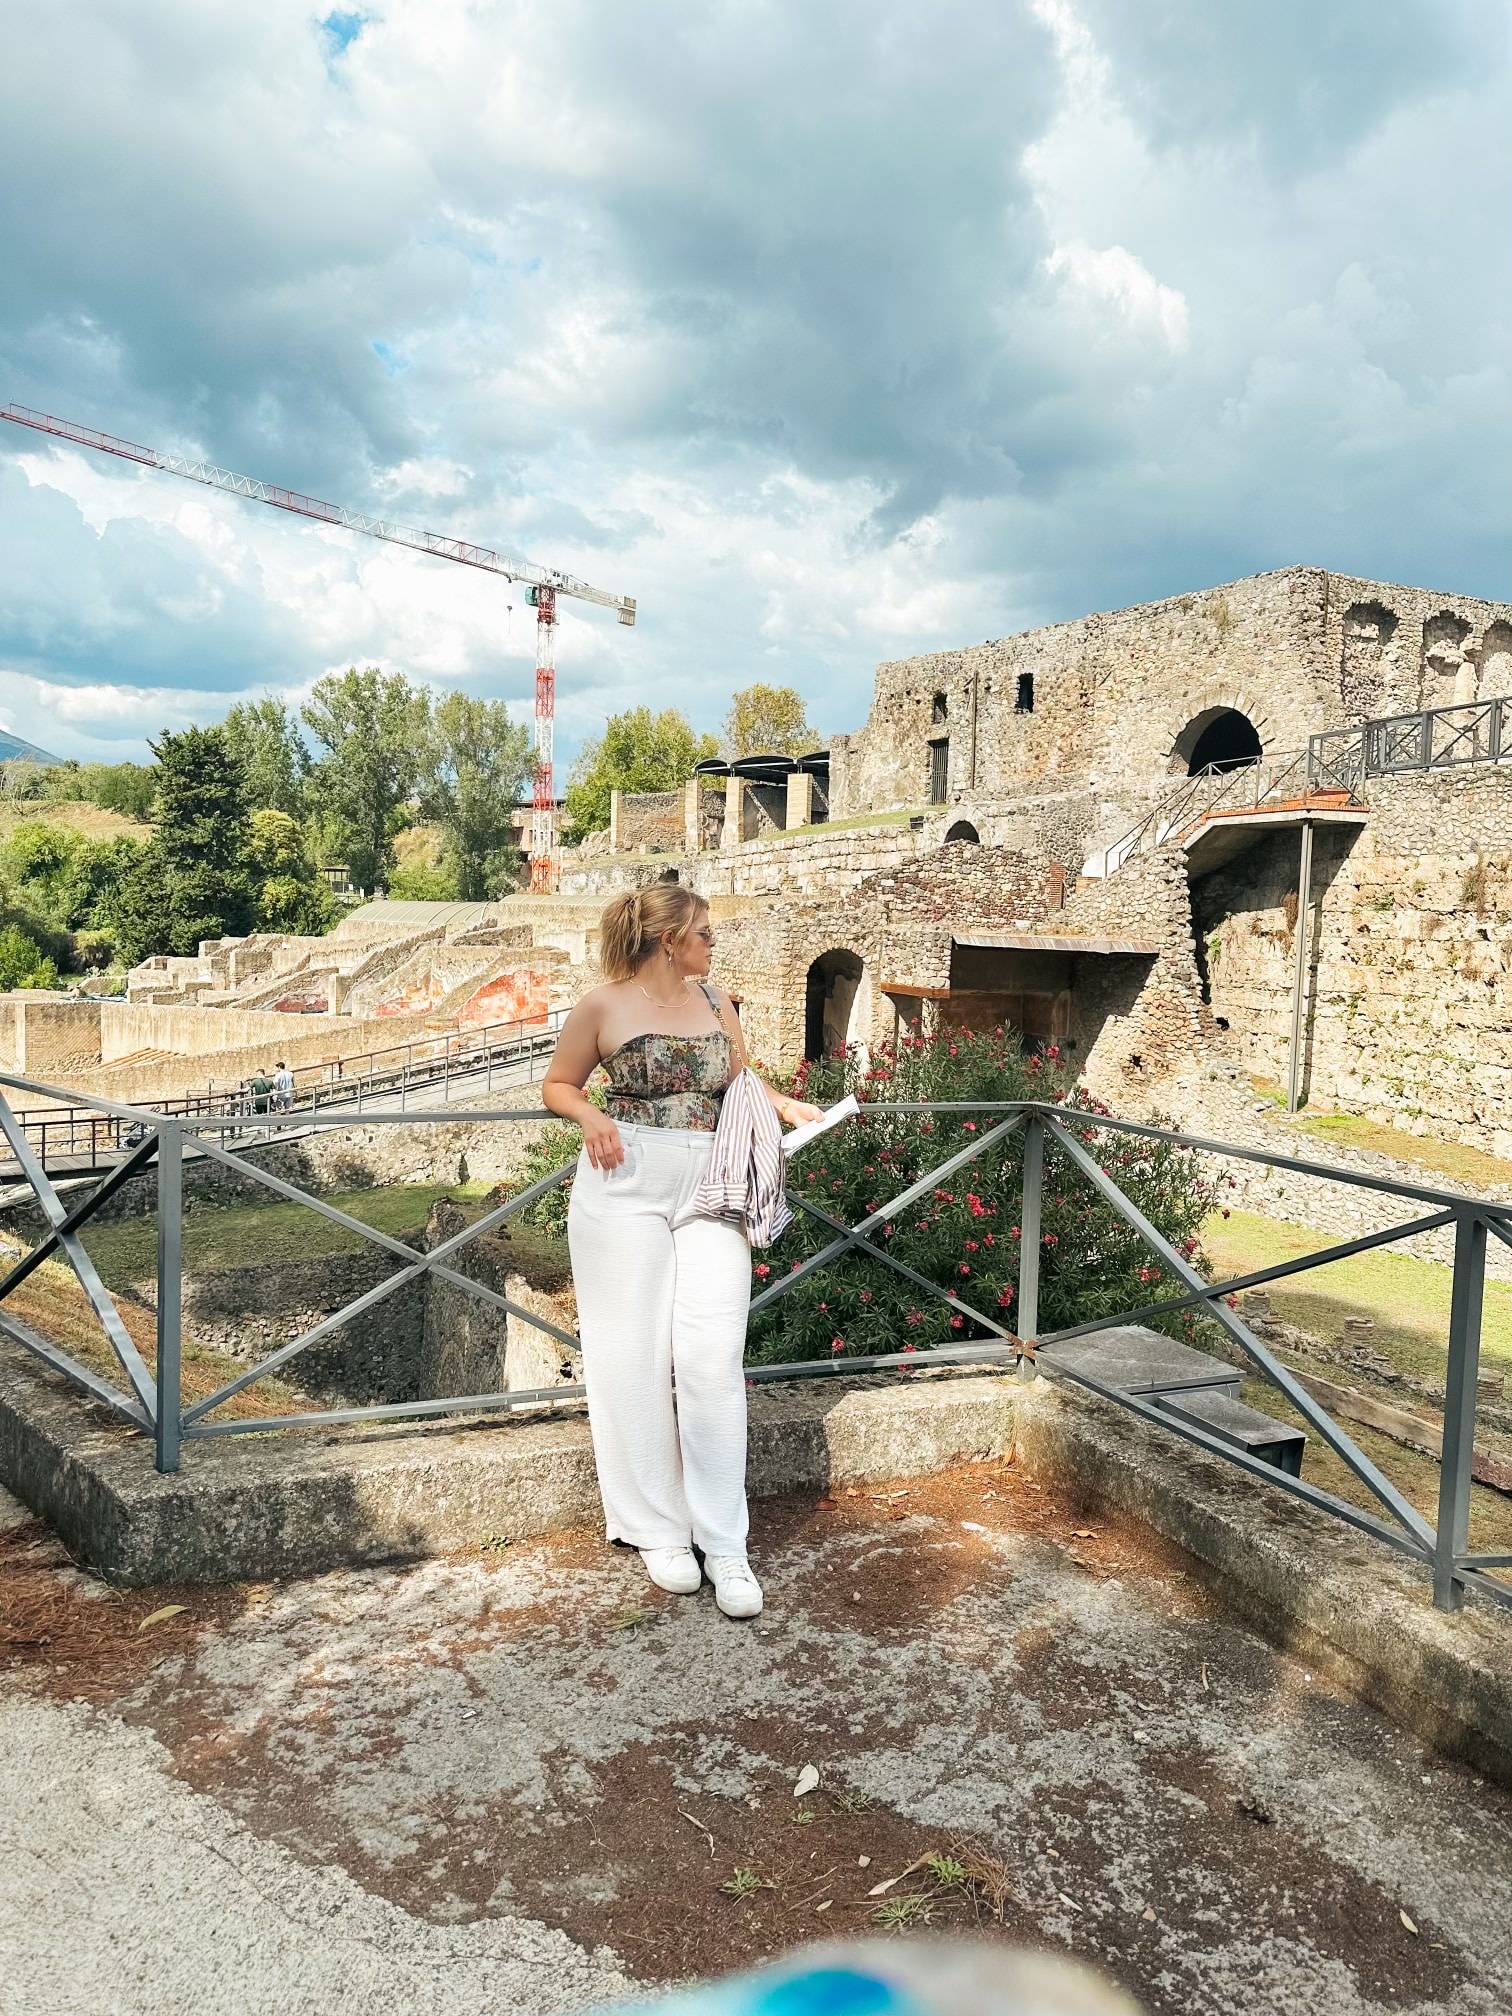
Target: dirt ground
{"points": [[524, 1780]]}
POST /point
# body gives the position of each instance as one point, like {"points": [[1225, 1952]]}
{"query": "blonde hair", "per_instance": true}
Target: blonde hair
{"points": [[636, 921]]}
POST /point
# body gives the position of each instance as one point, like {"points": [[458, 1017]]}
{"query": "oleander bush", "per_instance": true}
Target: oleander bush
{"points": [[964, 1233]]}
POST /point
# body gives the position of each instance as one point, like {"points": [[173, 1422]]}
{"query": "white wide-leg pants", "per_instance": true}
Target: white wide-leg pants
{"points": [[662, 1293]]}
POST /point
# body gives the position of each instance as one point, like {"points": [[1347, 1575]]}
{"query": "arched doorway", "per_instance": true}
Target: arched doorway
{"points": [[829, 1004], [964, 830], [1220, 738]]}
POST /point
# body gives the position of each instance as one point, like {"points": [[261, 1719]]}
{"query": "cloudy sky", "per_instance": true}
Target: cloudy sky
{"points": [[832, 330]]}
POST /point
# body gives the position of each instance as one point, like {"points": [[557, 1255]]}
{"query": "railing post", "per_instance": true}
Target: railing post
{"points": [[1029, 1239], [1465, 1301], [170, 1262], [1299, 974]]}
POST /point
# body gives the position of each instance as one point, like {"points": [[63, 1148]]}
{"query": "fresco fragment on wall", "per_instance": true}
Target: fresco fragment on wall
{"points": [[416, 1000], [512, 997], [303, 1004]]}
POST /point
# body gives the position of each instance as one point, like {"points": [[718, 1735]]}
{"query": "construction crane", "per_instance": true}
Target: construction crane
{"points": [[543, 585]]}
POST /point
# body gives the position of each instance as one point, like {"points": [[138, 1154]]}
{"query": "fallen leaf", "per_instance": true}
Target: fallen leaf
{"points": [[1055, 1852], [1068, 1900], [863, 1861], [824, 1906], [1408, 1923], [630, 1619], [1083, 1533], [826, 1504], [157, 1617], [1148, 1915], [1205, 1688], [970, 1526], [808, 1780]]}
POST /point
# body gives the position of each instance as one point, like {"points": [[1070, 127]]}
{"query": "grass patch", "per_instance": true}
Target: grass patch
{"points": [[1406, 1299], [861, 820], [56, 1307], [93, 821], [1416, 1476], [1462, 1164], [266, 1235]]}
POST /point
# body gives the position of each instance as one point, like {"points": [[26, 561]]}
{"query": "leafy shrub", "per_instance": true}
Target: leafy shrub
{"points": [[964, 1234]]}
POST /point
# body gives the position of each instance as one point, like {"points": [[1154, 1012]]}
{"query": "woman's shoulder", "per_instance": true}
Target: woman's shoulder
{"points": [[599, 998]]}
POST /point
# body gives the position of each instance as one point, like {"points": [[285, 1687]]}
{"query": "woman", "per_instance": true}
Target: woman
{"points": [[661, 1288]]}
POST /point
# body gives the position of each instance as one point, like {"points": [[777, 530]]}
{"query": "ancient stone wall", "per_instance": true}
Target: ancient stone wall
{"points": [[653, 820], [1413, 957], [1117, 700]]}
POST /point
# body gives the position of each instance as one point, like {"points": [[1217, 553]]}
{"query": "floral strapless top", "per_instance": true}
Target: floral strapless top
{"points": [[669, 1081]]}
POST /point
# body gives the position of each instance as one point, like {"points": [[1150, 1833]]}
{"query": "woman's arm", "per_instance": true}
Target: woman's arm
{"points": [[573, 1063], [794, 1112]]}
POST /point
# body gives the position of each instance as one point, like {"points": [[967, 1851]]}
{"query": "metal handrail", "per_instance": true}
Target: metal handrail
{"points": [[1218, 789], [1434, 738], [91, 1127], [157, 1407]]}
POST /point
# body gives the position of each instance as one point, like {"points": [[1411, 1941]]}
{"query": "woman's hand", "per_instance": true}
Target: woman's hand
{"points": [[602, 1140], [797, 1114]]}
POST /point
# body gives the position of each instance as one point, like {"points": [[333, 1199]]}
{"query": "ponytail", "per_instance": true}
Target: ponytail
{"points": [[635, 922]]}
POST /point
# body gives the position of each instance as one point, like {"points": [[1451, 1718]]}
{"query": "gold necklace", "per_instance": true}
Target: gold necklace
{"points": [[676, 1001]]}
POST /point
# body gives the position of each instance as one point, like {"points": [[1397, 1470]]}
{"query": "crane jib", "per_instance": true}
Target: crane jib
{"points": [[441, 546]]}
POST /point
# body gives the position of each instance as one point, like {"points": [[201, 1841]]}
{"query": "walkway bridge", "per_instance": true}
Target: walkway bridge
{"points": [[1224, 809], [449, 1066]]}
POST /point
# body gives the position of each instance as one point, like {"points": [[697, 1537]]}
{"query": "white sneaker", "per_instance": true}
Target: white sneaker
{"points": [[736, 1590], [674, 1569]]}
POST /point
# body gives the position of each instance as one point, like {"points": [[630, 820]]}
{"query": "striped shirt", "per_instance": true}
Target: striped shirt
{"points": [[746, 1164]]}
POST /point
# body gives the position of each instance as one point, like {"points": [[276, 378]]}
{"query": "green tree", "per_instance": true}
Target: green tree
{"points": [[263, 736], [373, 727], [638, 751], [477, 765], [20, 958], [126, 788], [290, 896], [194, 880], [39, 858], [97, 872], [767, 721]]}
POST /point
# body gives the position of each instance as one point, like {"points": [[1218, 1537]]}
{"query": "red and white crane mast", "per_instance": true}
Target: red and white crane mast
{"points": [[544, 585]]}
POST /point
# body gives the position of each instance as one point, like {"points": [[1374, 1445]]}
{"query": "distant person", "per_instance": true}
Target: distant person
{"points": [[283, 1087], [662, 1287], [260, 1085]]}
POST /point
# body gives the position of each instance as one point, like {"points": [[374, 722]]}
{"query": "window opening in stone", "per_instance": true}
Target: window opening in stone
{"points": [[939, 772], [1024, 703], [964, 830], [940, 709], [1220, 739]]}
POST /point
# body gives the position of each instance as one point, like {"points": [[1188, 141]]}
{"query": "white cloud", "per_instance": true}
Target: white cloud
{"points": [[1116, 281]]}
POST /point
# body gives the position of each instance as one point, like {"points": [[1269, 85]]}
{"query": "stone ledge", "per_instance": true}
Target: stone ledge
{"points": [[1346, 1603], [253, 1508]]}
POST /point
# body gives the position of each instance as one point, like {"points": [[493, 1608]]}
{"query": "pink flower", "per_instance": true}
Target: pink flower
{"points": [[866, 1295], [1050, 1239], [1053, 1050], [910, 1347], [1005, 1297], [913, 1318], [762, 1271], [963, 1268], [837, 1344], [971, 1245], [988, 1239], [956, 1322], [970, 1126]]}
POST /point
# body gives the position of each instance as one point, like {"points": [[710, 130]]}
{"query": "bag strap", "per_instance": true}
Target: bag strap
{"points": [[736, 1042]]}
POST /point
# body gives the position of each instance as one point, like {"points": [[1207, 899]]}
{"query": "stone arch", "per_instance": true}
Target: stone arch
{"points": [[1496, 661], [964, 830], [1443, 674], [1368, 629], [1221, 736], [834, 1003]]}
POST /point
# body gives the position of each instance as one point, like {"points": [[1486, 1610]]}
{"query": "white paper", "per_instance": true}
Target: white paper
{"points": [[812, 1129]]}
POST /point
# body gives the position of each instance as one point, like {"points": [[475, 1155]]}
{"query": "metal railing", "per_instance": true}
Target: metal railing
{"points": [[1283, 779], [152, 1400], [1438, 738], [92, 1138]]}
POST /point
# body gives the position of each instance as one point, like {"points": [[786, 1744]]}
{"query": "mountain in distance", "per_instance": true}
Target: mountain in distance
{"points": [[14, 750]]}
